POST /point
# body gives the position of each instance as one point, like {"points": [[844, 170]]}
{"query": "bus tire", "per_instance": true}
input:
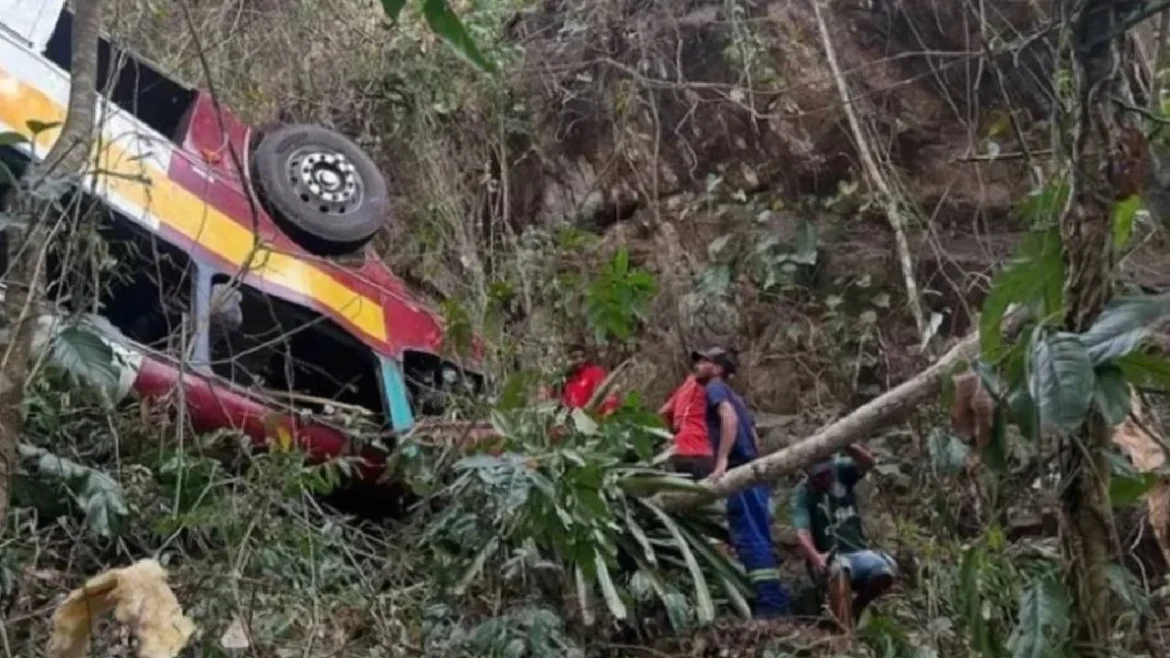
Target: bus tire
{"points": [[323, 190]]}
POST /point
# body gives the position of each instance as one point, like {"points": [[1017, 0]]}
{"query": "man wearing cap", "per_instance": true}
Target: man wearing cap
{"points": [[829, 534], [732, 432]]}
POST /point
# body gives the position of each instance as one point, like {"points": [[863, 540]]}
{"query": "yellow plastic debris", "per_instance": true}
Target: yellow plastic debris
{"points": [[140, 599]]}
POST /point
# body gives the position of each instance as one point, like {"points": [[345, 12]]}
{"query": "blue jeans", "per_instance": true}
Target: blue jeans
{"points": [[864, 565], [749, 521]]}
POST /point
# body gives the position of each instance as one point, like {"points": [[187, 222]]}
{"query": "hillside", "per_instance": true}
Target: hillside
{"points": [[639, 178]]}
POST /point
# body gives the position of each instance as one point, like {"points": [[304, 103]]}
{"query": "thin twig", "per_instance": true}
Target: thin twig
{"points": [[893, 209], [1160, 54], [1014, 155]]}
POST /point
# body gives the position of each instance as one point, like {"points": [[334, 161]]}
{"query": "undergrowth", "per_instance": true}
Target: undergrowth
{"points": [[544, 544]]}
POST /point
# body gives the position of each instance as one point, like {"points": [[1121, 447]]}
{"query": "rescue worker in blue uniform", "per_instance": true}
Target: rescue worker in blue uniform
{"points": [[735, 441]]}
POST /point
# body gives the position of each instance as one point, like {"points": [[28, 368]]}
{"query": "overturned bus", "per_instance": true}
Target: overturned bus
{"points": [[241, 274]]}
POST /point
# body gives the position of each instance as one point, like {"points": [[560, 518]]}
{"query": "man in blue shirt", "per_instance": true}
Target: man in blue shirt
{"points": [[735, 442]]}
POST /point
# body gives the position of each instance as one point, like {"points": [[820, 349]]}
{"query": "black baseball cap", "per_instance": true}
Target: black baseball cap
{"points": [[718, 355]]}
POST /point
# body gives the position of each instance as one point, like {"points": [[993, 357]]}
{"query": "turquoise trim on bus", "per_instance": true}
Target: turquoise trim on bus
{"points": [[397, 399]]}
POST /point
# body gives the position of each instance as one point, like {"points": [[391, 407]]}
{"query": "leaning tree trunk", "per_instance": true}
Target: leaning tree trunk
{"points": [[26, 244], [1100, 175]]}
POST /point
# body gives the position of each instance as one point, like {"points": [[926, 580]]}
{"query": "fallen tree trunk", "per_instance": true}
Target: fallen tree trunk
{"points": [[883, 411]]}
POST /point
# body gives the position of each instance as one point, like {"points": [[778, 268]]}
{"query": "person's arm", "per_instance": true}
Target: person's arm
{"points": [[728, 426], [719, 401], [667, 409], [862, 457], [803, 524]]}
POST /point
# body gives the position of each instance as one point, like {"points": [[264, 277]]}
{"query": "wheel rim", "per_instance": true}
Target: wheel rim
{"points": [[325, 180]]}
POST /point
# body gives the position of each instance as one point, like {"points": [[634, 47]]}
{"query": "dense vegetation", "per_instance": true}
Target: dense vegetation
{"points": [[639, 178]]}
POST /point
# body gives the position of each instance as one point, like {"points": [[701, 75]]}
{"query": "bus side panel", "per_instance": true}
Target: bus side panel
{"points": [[31, 20]]}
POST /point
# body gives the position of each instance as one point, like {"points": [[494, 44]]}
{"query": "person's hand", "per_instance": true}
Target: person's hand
{"points": [[720, 469], [820, 563]]}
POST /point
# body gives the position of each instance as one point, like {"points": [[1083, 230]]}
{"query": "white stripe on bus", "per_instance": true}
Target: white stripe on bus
{"points": [[112, 199], [117, 125]]}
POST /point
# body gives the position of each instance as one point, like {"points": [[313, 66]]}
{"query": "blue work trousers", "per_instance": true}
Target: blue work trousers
{"points": [[749, 521]]}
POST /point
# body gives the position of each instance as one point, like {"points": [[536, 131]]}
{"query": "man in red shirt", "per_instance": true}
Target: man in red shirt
{"points": [[685, 415], [720, 411], [582, 383], [582, 380]]}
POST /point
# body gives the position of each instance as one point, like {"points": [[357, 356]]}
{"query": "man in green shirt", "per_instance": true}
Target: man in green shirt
{"points": [[829, 534]]}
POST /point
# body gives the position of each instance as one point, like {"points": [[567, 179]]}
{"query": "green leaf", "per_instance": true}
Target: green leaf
{"points": [[83, 354], [1043, 621], [583, 597], [995, 454], [1035, 275], [735, 597], [1124, 212], [447, 26], [1023, 411], [516, 390], [38, 127], [971, 602], [715, 280], [677, 610], [702, 593], [1111, 395], [617, 298], [9, 138], [1122, 326], [635, 529], [948, 453], [1128, 588], [1060, 380], [1126, 490], [393, 8], [96, 494], [730, 576], [1043, 207], [621, 261], [674, 602], [583, 423], [613, 601], [1146, 370], [1126, 484], [806, 244], [473, 570]]}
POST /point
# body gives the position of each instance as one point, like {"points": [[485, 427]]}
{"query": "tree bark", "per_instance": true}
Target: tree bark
{"points": [[1098, 179], [26, 244]]}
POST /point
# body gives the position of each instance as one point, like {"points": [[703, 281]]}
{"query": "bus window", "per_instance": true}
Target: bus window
{"points": [[107, 263], [432, 383], [138, 87], [288, 350]]}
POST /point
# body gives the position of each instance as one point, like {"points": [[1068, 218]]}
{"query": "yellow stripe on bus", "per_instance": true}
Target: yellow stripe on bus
{"points": [[121, 173]]}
